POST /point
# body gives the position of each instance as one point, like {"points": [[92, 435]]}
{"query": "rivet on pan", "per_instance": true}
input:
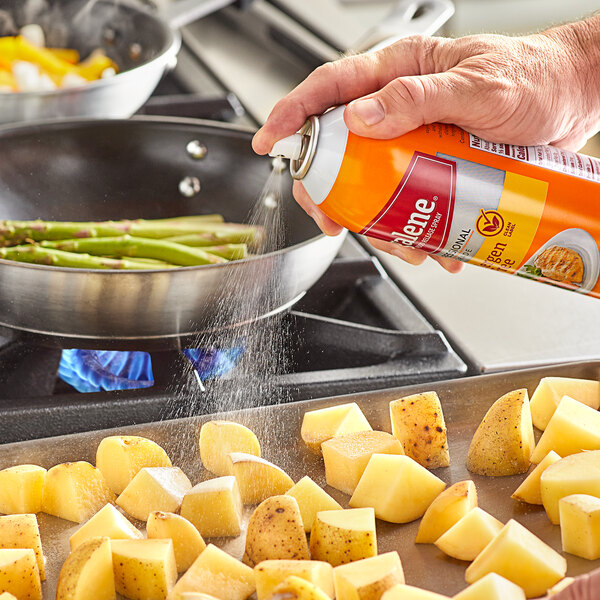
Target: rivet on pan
{"points": [[109, 35], [196, 150], [135, 51], [189, 186]]}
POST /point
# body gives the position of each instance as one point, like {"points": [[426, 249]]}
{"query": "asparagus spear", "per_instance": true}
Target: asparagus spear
{"points": [[16, 232], [138, 247], [228, 251], [50, 256], [242, 234]]}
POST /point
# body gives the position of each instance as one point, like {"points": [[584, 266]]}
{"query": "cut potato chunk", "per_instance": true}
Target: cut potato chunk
{"points": [[560, 586], [550, 392], [468, 537], [446, 510], [580, 525], [7, 596], [21, 489], [418, 422], [296, 588], [503, 442], [346, 456], [187, 541], [521, 557], [397, 487], [492, 587], [342, 536], [144, 569], [107, 522], [121, 457], [270, 573], [216, 573], [19, 574], [369, 578], [154, 488], [219, 438], [275, 531], [529, 491], [573, 427], [575, 474], [326, 423], [75, 491], [408, 592], [257, 478], [311, 499], [22, 531], [87, 573], [214, 507]]}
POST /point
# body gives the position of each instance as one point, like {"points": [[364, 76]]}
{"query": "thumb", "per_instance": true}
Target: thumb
{"points": [[405, 104]]}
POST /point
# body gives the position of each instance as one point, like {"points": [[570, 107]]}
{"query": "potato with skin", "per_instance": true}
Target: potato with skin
{"points": [[187, 541], [275, 531], [311, 499], [346, 456], [195, 596], [87, 573], [22, 531], [368, 579], [573, 427], [418, 422], [121, 457], [218, 439], [296, 588], [503, 442], [409, 592], [550, 391], [144, 569], [75, 491], [326, 423], [575, 474], [216, 573], [19, 574], [342, 536], [521, 557], [107, 522], [397, 487], [154, 488], [269, 574], [214, 507], [446, 510], [470, 535], [21, 489], [258, 479], [492, 587], [530, 491], [580, 525]]}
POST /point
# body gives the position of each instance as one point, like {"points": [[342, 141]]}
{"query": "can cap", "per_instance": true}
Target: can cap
{"points": [[288, 147]]}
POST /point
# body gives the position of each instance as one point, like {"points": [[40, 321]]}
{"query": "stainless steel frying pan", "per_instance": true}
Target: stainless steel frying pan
{"points": [[142, 43], [95, 170]]}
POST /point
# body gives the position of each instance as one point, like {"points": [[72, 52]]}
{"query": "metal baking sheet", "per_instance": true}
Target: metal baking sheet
{"points": [[465, 401]]}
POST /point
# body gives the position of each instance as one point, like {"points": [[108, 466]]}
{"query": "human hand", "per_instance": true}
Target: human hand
{"points": [[538, 89]]}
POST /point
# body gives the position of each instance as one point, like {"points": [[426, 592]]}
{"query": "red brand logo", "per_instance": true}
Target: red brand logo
{"points": [[419, 213]]}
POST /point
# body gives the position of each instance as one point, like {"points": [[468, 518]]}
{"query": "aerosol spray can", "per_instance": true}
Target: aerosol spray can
{"points": [[527, 210]]}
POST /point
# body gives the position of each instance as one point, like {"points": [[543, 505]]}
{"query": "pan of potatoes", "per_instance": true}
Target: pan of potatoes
{"points": [[484, 488]]}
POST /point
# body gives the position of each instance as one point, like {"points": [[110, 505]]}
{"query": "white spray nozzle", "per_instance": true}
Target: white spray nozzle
{"points": [[289, 147]]}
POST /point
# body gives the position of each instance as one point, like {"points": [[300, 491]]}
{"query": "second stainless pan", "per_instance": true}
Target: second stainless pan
{"points": [[96, 170]]}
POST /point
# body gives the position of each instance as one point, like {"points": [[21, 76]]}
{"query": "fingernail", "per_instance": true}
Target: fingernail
{"points": [[369, 111]]}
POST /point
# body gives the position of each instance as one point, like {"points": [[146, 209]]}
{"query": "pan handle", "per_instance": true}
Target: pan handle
{"points": [[179, 13], [409, 17]]}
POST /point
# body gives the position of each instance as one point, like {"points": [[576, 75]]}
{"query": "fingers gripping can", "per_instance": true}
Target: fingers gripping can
{"points": [[533, 211]]}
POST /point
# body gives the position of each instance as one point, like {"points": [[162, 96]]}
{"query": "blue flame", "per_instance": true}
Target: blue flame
{"points": [[109, 370]]}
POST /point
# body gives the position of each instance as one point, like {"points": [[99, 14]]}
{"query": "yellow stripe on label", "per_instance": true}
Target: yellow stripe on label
{"points": [[511, 228]]}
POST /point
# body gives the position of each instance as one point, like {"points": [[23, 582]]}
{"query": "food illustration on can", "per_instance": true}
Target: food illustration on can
{"points": [[448, 192]]}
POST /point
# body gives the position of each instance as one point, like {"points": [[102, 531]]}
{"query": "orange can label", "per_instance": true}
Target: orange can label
{"points": [[533, 211]]}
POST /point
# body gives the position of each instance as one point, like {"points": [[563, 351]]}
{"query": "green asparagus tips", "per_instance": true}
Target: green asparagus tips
{"points": [[126, 245], [16, 232], [58, 258]]}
